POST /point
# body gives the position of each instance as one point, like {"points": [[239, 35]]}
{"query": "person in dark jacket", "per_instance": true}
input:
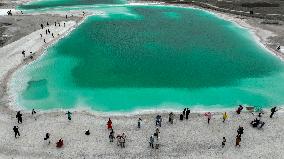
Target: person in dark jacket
{"points": [[19, 117], [16, 131], [273, 110]]}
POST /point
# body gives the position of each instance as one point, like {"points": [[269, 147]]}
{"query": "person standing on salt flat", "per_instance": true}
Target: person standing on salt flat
{"points": [[273, 110], [122, 140], [159, 120], [156, 141], [111, 135], [224, 142], [16, 131], [19, 117], [157, 132], [41, 25], [139, 122], [240, 130], [171, 117], [151, 141], [225, 116], [34, 113], [238, 140], [69, 115], [109, 124], [187, 113], [209, 116], [23, 53], [181, 116], [183, 112]]}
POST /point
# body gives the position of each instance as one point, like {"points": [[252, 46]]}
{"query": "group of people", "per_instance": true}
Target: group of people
{"points": [[184, 114], [9, 12], [47, 31], [257, 123], [121, 138], [154, 139]]}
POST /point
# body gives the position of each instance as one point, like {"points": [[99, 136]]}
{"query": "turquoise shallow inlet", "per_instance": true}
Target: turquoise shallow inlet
{"points": [[151, 58]]}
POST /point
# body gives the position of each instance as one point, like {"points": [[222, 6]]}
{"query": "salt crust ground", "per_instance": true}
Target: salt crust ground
{"points": [[184, 139]]}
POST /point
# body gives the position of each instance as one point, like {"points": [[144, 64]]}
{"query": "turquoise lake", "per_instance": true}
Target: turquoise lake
{"points": [[152, 57]]}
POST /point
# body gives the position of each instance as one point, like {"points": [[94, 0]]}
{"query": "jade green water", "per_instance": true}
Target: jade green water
{"points": [[152, 58], [41, 4]]}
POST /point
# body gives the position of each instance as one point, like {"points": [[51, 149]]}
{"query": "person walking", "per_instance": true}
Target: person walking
{"points": [[224, 142], [41, 25], [34, 113], [16, 131], [69, 115], [151, 141], [273, 110], [225, 116], [19, 117], [139, 123]]}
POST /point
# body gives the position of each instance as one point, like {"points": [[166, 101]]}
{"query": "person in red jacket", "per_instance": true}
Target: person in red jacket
{"points": [[109, 124]]}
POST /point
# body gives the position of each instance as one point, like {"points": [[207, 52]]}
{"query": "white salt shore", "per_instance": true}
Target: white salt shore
{"points": [[192, 138]]}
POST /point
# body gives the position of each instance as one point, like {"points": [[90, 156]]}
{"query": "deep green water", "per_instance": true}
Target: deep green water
{"points": [[152, 57]]}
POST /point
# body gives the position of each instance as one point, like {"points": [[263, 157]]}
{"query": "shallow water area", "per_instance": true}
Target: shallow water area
{"points": [[154, 57]]}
